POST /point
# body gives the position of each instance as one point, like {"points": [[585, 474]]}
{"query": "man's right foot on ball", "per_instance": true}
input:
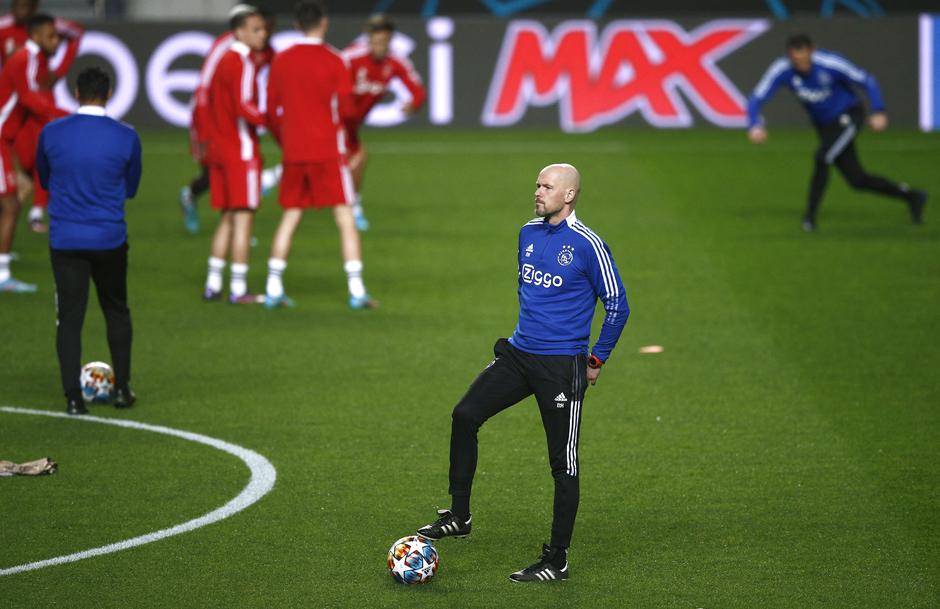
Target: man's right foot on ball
{"points": [[448, 525]]}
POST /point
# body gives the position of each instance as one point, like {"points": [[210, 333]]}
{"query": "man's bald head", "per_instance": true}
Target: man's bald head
{"points": [[565, 175], [556, 191]]}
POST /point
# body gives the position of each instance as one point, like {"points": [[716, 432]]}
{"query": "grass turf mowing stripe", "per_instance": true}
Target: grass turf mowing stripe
{"points": [[262, 480]]}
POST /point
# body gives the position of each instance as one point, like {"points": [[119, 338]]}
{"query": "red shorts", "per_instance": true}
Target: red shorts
{"points": [[25, 148], [320, 184], [235, 184], [7, 171], [197, 146]]}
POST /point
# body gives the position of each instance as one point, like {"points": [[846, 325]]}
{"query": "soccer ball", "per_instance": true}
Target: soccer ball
{"points": [[97, 382], [412, 560]]}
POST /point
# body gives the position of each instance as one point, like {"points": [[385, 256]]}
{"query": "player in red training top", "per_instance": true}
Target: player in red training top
{"points": [[13, 35], [20, 99], [191, 192], [309, 95], [373, 68], [234, 156]]}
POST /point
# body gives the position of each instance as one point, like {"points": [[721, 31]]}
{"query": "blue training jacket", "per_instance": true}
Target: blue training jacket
{"points": [[826, 92], [90, 164], [563, 270]]}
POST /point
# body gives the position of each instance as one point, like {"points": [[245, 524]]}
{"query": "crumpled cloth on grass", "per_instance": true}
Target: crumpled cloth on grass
{"points": [[40, 467]]}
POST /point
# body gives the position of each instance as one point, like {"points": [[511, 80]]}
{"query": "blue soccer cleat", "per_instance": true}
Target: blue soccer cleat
{"points": [[190, 215], [279, 302], [362, 223], [15, 286], [362, 302]]}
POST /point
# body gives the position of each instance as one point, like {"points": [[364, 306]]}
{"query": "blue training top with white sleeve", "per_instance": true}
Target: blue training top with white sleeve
{"points": [[826, 92], [90, 164], [563, 270]]}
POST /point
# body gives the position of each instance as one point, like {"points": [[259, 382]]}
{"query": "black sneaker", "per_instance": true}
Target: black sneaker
{"points": [[76, 407], [124, 398], [546, 569], [916, 204], [448, 525]]}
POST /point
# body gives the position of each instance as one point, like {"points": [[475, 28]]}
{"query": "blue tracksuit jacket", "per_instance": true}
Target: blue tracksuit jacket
{"points": [[563, 270], [826, 92]]}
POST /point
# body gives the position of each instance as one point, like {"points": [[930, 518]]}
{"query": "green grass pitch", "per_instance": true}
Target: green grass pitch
{"points": [[784, 450]]}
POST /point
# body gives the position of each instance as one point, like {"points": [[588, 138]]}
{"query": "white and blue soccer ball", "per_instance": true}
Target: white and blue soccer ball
{"points": [[97, 382], [413, 560]]}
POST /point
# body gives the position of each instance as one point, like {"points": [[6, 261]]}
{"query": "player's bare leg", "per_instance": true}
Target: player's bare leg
{"points": [[274, 296], [217, 255], [9, 213], [37, 214], [352, 258], [357, 167], [242, 221]]}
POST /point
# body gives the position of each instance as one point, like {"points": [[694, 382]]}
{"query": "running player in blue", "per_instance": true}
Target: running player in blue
{"points": [[826, 84]]}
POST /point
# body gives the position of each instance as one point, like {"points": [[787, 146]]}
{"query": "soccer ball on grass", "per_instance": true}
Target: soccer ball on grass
{"points": [[97, 382], [412, 560]]}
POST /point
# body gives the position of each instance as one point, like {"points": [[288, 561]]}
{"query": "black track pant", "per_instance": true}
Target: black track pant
{"points": [[837, 147], [72, 270], [558, 382]]}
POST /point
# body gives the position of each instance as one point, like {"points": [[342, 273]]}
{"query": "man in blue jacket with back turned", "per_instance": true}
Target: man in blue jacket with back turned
{"points": [[826, 83], [91, 165], [564, 269]]}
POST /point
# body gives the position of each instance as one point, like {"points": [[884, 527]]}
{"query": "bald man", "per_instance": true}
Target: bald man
{"points": [[564, 268]]}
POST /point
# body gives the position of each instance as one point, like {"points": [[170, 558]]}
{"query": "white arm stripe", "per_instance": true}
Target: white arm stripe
{"points": [[603, 259], [835, 62], [248, 76], [212, 61], [776, 69], [32, 67]]}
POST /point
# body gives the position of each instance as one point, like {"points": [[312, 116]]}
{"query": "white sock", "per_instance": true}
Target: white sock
{"points": [[271, 177], [357, 288], [275, 287], [36, 213], [216, 268], [238, 284], [4, 267], [357, 205]]}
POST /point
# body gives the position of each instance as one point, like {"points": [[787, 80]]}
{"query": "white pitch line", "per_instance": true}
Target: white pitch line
{"points": [[262, 480]]}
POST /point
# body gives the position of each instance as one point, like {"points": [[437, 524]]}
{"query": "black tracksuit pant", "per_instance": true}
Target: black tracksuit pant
{"points": [[837, 147], [558, 383], [72, 270]]}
